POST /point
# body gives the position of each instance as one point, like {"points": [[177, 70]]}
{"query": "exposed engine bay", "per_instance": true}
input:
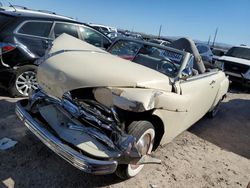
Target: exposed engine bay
{"points": [[88, 126]]}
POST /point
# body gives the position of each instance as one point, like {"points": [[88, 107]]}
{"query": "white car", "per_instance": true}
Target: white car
{"points": [[236, 64], [105, 114], [104, 28], [159, 41]]}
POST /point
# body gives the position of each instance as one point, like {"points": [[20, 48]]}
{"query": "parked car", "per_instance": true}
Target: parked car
{"points": [[105, 114], [130, 34], [236, 64], [24, 37], [104, 28], [217, 53], [159, 41], [206, 54]]}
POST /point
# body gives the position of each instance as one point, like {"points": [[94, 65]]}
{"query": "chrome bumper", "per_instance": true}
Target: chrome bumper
{"points": [[75, 158]]}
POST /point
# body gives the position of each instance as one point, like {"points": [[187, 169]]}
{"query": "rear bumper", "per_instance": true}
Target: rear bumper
{"points": [[75, 158]]}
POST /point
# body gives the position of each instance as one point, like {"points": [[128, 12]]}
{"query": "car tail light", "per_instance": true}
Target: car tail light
{"points": [[6, 47]]}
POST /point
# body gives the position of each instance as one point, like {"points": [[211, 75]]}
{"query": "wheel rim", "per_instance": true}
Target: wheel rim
{"points": [[26, 82], [145, 146]]}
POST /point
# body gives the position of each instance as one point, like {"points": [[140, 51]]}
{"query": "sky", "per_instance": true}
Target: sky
{"points": [[197, 19]]}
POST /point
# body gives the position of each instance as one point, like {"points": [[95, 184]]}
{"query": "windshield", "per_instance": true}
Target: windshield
{"points": [[162, 60], [239, 52]]}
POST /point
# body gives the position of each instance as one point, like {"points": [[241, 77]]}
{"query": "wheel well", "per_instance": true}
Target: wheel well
{"points": [[159, 130], [17, 69], [28, 64], [147, 116]]}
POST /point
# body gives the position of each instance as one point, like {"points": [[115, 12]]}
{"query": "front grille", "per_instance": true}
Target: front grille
{"points": [[235, 67]]}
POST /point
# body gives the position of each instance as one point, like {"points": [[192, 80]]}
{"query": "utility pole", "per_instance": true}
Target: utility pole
{"points": [[215, 35], [208, 42], [159, 31]]}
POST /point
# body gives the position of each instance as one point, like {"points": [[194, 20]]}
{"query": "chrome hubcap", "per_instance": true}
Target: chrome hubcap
{"points": [[143, 147], [26, 82]]}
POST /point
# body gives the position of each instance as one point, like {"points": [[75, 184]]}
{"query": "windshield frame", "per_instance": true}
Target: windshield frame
{"points": [[183, 62]]}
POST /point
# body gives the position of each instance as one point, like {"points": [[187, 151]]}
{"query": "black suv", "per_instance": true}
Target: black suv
{"points": [[24, 37]]}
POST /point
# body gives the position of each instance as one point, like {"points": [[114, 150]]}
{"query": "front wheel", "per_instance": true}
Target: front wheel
{"points": [[25, 81], [144, 133]]}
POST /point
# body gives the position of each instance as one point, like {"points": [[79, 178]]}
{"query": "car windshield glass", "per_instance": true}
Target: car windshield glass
{"points": [[162, 60], [239, 52]]}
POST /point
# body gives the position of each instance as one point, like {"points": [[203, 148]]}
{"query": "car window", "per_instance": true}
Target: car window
{"points": [[202, 49], [69, 29], [125, 49], [41, 29], [93, 37]]}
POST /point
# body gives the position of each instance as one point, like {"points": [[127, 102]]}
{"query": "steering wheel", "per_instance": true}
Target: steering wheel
{"points": [[167, 66]]}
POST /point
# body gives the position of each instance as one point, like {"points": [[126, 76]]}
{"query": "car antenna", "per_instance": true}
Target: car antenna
{"points": [[12, 6]]}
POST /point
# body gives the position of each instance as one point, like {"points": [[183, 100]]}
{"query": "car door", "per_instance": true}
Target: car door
{"points": [[33, 36], [94, 37], [200, 91]]}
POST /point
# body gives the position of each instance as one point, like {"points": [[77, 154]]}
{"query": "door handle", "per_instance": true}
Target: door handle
{"points": [[212, 82]]}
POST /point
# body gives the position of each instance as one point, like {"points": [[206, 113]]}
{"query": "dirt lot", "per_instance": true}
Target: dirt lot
{"points": [[213, 153]]}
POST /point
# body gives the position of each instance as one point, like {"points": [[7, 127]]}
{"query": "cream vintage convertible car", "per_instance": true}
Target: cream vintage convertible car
{"points": [[106, 114]]}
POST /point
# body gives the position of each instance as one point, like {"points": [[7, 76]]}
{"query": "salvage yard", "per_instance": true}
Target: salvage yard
{"points": [[213, 153]]}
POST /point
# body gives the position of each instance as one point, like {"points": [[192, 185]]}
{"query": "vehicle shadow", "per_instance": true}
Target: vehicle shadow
{"points": [[229, 129], [29, 160]]}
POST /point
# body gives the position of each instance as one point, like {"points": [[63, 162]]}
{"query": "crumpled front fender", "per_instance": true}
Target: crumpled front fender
{"points": [[141, 99]]}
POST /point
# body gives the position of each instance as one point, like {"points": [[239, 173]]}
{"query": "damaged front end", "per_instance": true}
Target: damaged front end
{"points": [[86, 132]]}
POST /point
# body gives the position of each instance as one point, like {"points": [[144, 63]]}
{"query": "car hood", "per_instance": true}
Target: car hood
{"points": [[73, 64], [235, 60]]}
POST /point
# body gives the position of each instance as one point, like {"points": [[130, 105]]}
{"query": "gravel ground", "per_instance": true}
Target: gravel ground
{"points": [[213, 153]]}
